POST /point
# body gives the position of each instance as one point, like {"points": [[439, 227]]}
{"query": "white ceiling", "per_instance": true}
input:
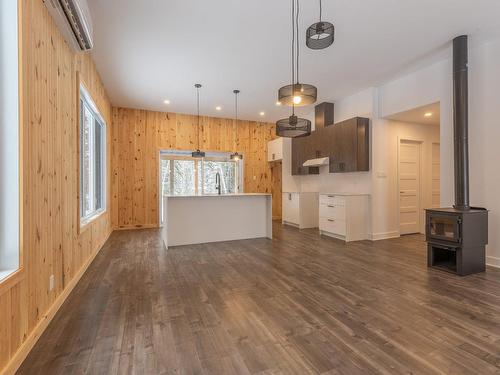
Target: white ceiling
{"points": [[418, 115], [151, 50]]}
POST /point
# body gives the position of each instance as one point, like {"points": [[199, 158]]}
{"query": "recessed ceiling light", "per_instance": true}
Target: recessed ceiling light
{"points": [[262, 113], [166, 101], [278, 103], [218, 108], [428, 114]]}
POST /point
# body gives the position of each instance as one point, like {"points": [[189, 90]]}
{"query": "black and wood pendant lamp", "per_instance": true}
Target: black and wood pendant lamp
{"points": [[198, 154], [321, 34], [296, 94], [236, 156]]}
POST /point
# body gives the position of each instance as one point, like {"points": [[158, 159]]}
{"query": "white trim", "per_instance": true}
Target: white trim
{"points": [[10, 142], [493, 261], [385, 235], [90, 104], [6, 273]]}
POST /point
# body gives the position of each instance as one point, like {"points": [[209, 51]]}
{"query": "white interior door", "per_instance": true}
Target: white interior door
{"points": [[436, 173], [409, 187]]}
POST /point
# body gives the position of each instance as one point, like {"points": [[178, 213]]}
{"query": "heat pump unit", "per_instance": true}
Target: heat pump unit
{"points": [[73, 19]]}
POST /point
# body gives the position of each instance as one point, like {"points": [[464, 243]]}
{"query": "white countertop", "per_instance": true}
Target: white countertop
{"points": [[219, 196], [347, 194]]}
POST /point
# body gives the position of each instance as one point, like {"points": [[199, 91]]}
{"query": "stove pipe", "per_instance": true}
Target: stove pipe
{"points": [[460, 122]]}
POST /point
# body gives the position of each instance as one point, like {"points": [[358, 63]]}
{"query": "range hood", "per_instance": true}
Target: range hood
{"points": [[316, 162]]}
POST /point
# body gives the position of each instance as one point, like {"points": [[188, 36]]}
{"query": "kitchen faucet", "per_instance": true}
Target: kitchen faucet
{"points": [[217, 183]]}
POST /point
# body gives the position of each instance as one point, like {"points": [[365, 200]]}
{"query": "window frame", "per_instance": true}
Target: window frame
{"points": [[85, 101], [220, 156], [11, 275]]}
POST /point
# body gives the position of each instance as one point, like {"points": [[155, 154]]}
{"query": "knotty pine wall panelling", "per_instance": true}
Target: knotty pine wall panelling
{"points": [[140, 135], [52, 241]]}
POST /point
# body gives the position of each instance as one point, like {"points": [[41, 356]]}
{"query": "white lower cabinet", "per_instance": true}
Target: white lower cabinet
{"points": [[344, 216], [300, 209]]}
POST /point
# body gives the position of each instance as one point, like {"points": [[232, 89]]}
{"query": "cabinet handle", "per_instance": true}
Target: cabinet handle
{"points": [[331, 220], [331, 206], [331, 196], [273, 156]]}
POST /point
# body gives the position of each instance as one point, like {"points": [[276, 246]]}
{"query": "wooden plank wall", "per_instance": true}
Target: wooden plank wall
{"points": [[277, 188], [139, 136], [52, 242]]}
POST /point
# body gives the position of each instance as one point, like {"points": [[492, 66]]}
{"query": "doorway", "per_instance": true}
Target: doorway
{"points": [[410, 187]]}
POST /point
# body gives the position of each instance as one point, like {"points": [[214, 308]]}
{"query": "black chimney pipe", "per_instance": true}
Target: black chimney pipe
{"points": [[461, 122]]}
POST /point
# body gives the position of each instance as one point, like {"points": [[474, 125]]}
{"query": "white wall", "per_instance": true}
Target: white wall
{"points": [[9, 128], [433, 84], [425, 86], [360, 104]]}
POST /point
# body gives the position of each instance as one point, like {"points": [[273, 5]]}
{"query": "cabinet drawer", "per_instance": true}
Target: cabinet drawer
{"points": [[331, 211], [330, 199], [333, 226]]}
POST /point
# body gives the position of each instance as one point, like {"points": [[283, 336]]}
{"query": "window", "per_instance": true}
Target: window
{"points": [[92, 160], [9, 140], [180, 174]]}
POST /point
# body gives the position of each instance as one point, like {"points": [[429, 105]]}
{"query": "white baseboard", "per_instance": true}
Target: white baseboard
{"points": [[384, 235], [493, 262]]}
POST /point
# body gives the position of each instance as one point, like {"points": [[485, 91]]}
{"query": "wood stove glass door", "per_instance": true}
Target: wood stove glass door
{"points": [[445, 227]]}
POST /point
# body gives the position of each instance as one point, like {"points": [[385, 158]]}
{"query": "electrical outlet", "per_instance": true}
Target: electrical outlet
{"points": [[51, 283]]}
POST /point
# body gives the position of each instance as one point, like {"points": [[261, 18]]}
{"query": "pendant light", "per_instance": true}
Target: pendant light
{"points": [[198, 154], [320, 34], [293, 126], [297, 94], [236, 156]]}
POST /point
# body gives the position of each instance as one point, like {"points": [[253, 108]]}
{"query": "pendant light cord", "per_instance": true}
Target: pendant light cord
{"points": [[236, 106], [298, 42], [198, 110], [293, 49], [320, 10], [293, 55]]}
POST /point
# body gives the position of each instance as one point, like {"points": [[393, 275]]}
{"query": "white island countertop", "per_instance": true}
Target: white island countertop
{"points": [[218, 196], [193, 219], [343, 194]]}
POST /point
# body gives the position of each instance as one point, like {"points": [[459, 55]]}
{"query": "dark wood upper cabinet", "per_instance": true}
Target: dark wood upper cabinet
{"points": [[303, 148], [323, 115], [345, 143], [352, 145]]}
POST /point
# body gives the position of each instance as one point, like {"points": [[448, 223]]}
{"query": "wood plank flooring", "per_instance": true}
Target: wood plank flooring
{"points": [[299, 304]]}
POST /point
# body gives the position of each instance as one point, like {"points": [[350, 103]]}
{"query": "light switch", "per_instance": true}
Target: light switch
{"points": [[51, 283]]}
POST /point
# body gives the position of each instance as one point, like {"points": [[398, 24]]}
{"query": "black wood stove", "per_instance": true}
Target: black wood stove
{"points": [[457, 237]]}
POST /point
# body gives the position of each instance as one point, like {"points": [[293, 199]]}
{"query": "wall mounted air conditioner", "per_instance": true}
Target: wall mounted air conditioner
{"points": [[73, 19]]}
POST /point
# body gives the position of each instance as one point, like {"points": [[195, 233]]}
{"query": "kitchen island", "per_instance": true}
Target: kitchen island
{"points": [[193, 219]]}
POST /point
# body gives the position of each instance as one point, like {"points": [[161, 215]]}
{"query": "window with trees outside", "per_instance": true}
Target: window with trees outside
{"points": [[181, 174], [92, 160], [10, 186]]}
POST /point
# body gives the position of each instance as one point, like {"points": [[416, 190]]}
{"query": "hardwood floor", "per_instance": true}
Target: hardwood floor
{"points": [[298, 304]]}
